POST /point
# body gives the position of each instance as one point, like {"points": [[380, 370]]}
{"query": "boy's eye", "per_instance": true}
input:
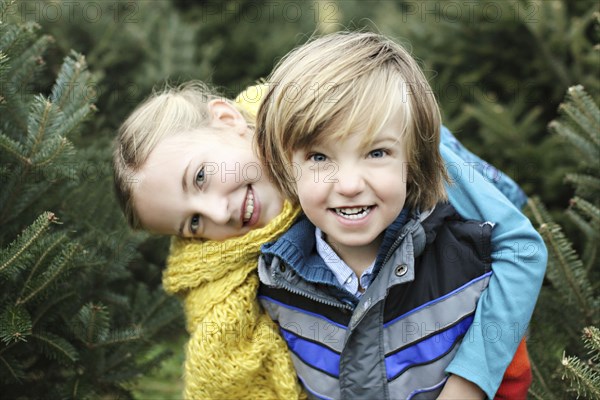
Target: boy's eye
{"points": [[377, 153], [195, 223], [200, 177], [318, 157]]}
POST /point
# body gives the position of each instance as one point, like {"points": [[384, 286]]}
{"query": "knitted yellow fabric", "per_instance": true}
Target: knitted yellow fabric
{"points": [[235, 350], [251, 97]]}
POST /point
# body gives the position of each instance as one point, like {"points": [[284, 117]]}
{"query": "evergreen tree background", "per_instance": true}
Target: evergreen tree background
{"points": [[81, 309], [77, 318]]}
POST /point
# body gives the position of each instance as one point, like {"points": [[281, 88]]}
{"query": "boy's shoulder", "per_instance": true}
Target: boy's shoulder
{"points": [[457, 237]]}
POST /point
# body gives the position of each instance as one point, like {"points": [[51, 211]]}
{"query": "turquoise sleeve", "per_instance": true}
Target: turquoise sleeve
{"points": [[518, 263], [503, 182]]}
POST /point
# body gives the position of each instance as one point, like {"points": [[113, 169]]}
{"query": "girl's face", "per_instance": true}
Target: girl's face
{"points": [[207, 183]]}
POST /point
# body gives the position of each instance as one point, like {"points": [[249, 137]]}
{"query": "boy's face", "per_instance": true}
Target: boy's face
{"points": [[206, 184], [352, 192]]}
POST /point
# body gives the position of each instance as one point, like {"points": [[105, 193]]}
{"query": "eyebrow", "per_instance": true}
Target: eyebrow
{"points": [[184, 184], [384, 139]]}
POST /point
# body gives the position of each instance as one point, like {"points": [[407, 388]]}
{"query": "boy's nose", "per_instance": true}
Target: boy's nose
{"points": [[349, 181]]}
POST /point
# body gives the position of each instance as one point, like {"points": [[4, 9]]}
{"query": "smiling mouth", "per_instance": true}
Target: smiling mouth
{"points": [[353, 212], [248, 206]]}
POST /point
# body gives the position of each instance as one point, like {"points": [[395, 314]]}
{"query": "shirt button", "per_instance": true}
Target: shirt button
{"points": [[349, 280], [401, 270]]}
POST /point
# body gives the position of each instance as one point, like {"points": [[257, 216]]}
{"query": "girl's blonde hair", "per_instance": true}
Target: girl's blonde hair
{"points": [[344, 83], [171, 111]]}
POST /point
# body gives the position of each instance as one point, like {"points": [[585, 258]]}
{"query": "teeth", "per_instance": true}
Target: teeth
{"points": [[249, 207], [353, 212]]}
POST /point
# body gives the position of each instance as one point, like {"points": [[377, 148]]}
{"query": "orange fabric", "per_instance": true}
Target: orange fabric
{"points": [[517, 377]]}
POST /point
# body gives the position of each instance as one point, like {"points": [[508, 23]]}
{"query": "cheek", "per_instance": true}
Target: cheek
{"points": [[253, 172], [394, 191], [305, 185], [310, 194]]}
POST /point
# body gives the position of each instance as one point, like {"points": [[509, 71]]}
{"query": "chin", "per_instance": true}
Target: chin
{"points": [[355, 242]]}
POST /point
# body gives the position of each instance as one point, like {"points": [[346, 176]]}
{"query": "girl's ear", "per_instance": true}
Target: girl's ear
{"points": [[225, 115]]}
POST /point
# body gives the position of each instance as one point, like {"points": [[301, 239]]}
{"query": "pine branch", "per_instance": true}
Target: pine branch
{"points": [[15, 325], [74, 119], [55, 347], [586, 381], [583, 225], [70, 91], [585, 185], [591, 338], [33, 271], [25, 65], [59, 147], [585, 147], [566, 270], [40, 119], [59, 266], [12, 255], [91, 324], [14, 35], [36, 128], [120, 337], [580, 123], [13, 148], [585, 376], [590, 249], [584, 112], [23, 69], [586, 209]]}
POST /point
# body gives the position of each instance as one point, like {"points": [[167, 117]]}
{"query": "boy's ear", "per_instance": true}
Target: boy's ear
{"points": [[225, 115]]}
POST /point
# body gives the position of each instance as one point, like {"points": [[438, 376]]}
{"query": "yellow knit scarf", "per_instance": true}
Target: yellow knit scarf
{"points": [[235, 350]]}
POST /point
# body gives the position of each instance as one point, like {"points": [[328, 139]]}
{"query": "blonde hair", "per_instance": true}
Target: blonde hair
{"points": [[332, 86], [171, 111]]}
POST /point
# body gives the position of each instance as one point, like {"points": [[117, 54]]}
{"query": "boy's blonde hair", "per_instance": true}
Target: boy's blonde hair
{"points": [[171, 111], [344, 83]]}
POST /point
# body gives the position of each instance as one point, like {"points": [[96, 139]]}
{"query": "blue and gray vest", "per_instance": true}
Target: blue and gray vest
{"points": [[397, 340]]}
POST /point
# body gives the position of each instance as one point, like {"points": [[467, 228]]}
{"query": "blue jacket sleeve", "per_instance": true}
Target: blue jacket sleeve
{"points": [[518, 263], [503, 182]]}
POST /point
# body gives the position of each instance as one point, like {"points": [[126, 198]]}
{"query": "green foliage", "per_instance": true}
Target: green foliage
{"points": [[585, 376], [72, 311], [573, 297]]}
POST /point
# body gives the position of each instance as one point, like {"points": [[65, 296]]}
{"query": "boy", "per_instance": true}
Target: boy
{"points": [[375, 300]]}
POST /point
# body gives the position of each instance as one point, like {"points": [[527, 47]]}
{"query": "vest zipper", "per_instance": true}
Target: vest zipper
{"points": [[394, 246], [291, 289]]}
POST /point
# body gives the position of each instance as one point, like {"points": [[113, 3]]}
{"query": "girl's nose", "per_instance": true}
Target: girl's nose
{"points": [[215, 208]]}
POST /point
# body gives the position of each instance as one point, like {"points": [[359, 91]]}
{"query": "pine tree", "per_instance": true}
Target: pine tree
{"points": [[572, 297], [74, 321]]}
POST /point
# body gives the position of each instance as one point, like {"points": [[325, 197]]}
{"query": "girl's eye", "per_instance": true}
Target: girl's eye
{"points": [[200, 177], [318, 157], [379, 153], [195, 223]]}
